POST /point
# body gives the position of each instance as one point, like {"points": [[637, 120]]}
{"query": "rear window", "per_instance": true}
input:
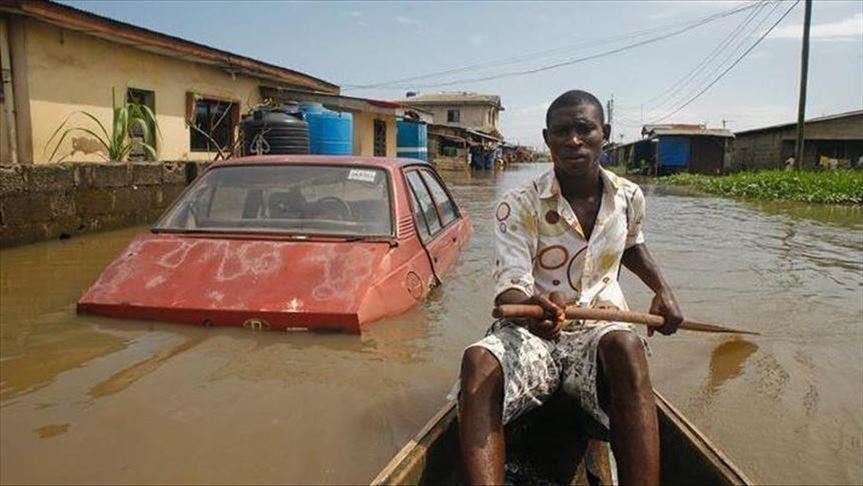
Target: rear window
{"points": [[297, 199]]}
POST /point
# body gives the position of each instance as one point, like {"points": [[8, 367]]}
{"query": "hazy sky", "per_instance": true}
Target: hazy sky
{"points": [[362, 43]]}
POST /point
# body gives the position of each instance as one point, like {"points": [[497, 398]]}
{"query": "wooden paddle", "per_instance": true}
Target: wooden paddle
{"points": [[515, 311]]}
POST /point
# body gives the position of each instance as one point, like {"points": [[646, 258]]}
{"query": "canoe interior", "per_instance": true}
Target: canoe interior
{"points": [[553, 444]]}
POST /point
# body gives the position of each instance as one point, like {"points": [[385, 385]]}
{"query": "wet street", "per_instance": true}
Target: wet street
{"points": [[97, 400]]}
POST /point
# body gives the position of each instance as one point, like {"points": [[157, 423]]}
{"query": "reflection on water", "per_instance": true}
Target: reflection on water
{"points": [[726, 361], [48, 355], [129, 375], [52, 430], [96, 400]]}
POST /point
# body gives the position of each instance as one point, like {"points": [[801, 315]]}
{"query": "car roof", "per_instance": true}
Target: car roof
{"points": [[389, 163]]}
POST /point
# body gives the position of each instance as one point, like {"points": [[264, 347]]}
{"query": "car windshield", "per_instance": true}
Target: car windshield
{"points": [[295, 199]]}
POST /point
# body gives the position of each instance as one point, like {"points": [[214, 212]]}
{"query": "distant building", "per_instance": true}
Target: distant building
{"points": [[667, 149], [472, 111], [838, 136], [374, 121], [456, 148]]}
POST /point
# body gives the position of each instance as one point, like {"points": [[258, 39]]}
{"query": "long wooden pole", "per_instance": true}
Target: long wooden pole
{"points": [[804, 74], [515, 311]]}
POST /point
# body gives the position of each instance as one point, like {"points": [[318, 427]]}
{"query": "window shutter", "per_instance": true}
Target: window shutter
{"points": [[235, 123], [190, 107]]}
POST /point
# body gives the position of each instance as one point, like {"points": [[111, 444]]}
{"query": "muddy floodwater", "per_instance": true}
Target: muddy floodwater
{"points": [[97, 400]]}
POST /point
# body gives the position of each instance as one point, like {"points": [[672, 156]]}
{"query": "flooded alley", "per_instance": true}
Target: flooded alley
{"points": [[97, 400]]}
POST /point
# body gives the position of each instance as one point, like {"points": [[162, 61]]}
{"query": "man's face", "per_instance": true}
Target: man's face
{"points": [[574, 135]]}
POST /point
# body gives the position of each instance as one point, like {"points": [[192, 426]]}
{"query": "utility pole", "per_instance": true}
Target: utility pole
{"points": [[804, 71], [610, 109]]}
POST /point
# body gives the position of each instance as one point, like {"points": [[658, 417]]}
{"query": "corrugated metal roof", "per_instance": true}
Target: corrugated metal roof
{"points": [[697, 131], [482, 134], [463, 133], [342, 102], [681, 126], [836, 116], [462, 97]]}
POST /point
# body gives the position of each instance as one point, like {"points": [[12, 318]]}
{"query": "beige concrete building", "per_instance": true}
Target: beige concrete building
{"points": [[58, 60], [463, 110]]}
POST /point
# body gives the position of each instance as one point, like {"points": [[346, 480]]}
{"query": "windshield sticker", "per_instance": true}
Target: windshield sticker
{"points": [[362, 175]]}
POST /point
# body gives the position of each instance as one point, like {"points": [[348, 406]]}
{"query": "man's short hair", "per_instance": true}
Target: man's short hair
{"points": [[575, 97]]}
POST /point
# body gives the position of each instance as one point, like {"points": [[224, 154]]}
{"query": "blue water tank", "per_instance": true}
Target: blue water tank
{"points": [[330, 132], [412, 140]]}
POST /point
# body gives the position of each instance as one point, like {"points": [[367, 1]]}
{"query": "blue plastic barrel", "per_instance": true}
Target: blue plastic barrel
{"points": [[412, 140], [330, 132]]}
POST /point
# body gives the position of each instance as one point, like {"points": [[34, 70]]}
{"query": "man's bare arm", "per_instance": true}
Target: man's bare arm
{"points": [[639, 261]]}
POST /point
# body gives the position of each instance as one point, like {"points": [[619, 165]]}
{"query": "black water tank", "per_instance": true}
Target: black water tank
{"points": [[275, 131]]}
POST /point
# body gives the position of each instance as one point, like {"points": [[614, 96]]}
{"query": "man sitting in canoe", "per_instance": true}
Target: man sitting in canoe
{"points": [[561, 239]]}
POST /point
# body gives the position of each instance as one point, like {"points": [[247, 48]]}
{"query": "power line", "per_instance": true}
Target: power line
{"points": [[735, 50], [732, 44], [689, 26], [729, 68], [511, 60], [682, 93], [565, 63], [692, 74]]}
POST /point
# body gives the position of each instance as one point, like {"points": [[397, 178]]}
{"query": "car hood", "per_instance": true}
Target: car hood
{"points": [[265, 283]]}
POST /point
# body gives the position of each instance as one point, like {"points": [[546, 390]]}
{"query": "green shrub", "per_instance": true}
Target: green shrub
{"points": [[118, 143], [834, 187]]}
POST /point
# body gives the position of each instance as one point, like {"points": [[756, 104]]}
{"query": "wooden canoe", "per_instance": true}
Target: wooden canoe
{"points": [[558, 446]]}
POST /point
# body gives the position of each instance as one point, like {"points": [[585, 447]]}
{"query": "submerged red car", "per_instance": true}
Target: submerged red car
{"points": [[290, 242]]}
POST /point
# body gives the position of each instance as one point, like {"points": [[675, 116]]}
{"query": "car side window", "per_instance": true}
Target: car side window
{"points": [[445, 205], [427, 220], [419, 219]]}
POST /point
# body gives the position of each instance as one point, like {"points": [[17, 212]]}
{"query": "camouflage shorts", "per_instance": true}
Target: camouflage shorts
{"points": [[534, 368]]}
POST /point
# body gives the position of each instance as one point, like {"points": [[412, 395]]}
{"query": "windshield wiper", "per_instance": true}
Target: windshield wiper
{"points": [[290, 236]]}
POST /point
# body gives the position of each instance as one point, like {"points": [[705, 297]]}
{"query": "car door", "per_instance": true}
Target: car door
{"points": [[439, 223]]}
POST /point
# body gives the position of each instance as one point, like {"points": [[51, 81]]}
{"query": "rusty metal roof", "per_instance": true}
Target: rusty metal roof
{"points": [[453, 98], [836, 116], [342, 102], [692, 132]]}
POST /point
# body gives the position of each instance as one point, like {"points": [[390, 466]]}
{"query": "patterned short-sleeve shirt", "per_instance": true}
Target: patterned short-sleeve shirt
{"points": [[540, 246]]}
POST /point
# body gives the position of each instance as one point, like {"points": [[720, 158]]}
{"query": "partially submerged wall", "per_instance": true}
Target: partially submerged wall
{"points": [[41, 202], [441, 162]]}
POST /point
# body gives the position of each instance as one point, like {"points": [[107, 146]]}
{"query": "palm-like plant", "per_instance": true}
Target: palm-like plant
{"points": [[119, 143]]}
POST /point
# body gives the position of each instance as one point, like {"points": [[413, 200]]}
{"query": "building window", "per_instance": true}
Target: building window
{"points": [[214, 123], [380, 138], [453, 116], [136, 133]]}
